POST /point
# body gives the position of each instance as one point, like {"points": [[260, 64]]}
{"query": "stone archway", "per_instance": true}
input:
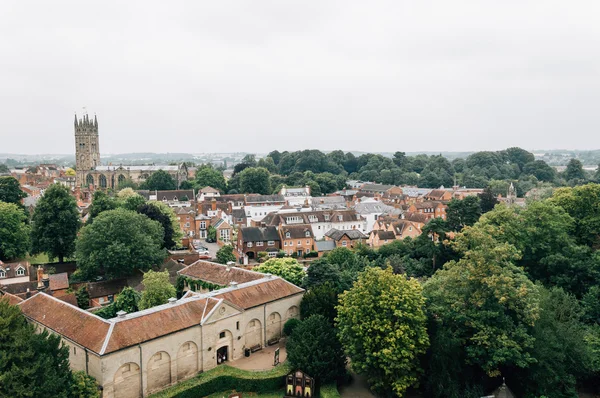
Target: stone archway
{"points": [[292, 312], [187, 360], [126, 382], [224, 341], [274, 326], [253, 334], [159, 371]]}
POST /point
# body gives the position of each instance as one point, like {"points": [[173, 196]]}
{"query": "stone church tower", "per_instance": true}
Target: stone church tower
{"points": [[87, 148]]}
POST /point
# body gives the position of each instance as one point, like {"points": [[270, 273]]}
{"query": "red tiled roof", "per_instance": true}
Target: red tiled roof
{"points": [[260, 293], [218, 273], [11, 298], [59, 281], [75, 324], [140, 328]]}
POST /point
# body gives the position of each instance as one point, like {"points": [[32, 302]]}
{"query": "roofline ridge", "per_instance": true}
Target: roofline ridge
{"points": [[212, 310], [154, 309], [107, 339]]}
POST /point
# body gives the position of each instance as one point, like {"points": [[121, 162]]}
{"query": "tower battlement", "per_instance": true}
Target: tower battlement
{"points": [[86, 126]]}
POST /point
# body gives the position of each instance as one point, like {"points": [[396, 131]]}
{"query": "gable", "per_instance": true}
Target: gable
{"points": [[222, 310]]}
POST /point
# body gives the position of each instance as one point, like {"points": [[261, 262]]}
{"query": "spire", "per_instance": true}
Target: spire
{"points": [[95, 121], [75, 119]]}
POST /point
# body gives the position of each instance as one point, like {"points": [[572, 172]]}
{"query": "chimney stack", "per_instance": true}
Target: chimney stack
{"points": [[268, 276], [213, 204], [234, 285], [121, 314], [172, 300]]}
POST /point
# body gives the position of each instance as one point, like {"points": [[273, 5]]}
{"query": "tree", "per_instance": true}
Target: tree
{"points": [[157, 289], [55, 223], [10, 190], [14, 232], [166, 217], [597, 175], [481, 309], [287, 268], [519, 156], [118, 242], [321, 271], [315, 348], [574, 171], [84, 386], [225, 254], [159, 180], [463, 212], [4, 168], [255, 180], [487, 200], [381, 323], [211, 234], [132, 202], [207, 176], [540, 170], [583, 204], [290, 325], [83, 298], [31, 364], [100, 202], [186, 185], [320, 300], [128, 301]]}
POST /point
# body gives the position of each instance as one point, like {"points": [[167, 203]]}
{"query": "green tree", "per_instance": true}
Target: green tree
{"points": [[481, 310], [590, 303], [540, 170], [4, 168], [290, 325], [381, 323], [320, 300], [207, 176], [574, 171], [131, 202], [83, 298], [118, 242], [321, 271], [166, 217], [255, 180], [225, 254], [287, 268], [128, 301], [315, 348], [487, 200], [84, 386], [159, 180], [10, 190], [583, 204], [519, 156], [14, 232], [463, 212], [55, 223], [211, 234], [31, 364], [100, 202], [157, 289]]}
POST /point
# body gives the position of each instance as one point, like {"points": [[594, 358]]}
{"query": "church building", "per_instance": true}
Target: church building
{"points": [[89, 171]]}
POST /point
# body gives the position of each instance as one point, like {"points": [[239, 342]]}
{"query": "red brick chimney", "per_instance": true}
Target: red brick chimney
{"points": [[213, 204]]}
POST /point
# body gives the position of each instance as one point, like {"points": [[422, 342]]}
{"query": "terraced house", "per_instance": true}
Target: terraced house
{"points": [[136, 354]]}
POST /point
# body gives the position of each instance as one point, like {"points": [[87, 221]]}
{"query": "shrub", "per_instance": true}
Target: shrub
{"points": [[310, 254], [290, 325]]}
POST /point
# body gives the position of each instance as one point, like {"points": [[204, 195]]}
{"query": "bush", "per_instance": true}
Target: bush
{"points": [[310, 254], [290, 325], [280, 254], [329, 391], [225, 378]]}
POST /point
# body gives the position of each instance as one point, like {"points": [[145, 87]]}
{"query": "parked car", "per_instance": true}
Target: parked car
{"points": [[203, 252]]}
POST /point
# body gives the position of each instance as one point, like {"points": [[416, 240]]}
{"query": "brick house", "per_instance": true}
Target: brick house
{"points": [[187, 220], [252, 240], [400, 228], [297, 239], [438, 195], [430, 208], [345, 238]]}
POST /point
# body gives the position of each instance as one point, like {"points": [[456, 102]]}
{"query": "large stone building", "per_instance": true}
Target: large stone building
{"points": [[89, 171], [136, 354]]}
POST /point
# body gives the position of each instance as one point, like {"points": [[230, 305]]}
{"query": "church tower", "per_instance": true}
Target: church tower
{"points": [[87, 148]]}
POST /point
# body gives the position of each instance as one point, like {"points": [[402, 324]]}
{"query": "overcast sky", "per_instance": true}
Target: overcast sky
{"points": [[253, 76]]}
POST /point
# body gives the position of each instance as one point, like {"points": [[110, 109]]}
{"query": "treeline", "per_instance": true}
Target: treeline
{"points": [[326, 173], [512, 294]]}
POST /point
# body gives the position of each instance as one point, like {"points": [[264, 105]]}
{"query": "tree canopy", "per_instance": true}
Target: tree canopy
{"points": [[207, 176], [14, 232], [157, 289], [55, 223], [118, 242], [159, 180], [10, 190], [287, 268], [225, 254]]}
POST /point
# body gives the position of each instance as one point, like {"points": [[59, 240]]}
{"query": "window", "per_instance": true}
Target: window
{"points": [[307, 234], [249, 244], [285, 242], [111, 298], [410, 228], [202, 224], [344, 243], [74, 350], [222, 335], [341, 218], [288, 235], [2, 274], [299, 242], [272, 254], [259, 243], [308, 242], [237, 325], [271, 243], [187, 224], [312, 218], [326, 217], [307, 251], [20, 271]]}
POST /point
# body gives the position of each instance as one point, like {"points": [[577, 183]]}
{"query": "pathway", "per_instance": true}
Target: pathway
{"points": [[261, 360]]}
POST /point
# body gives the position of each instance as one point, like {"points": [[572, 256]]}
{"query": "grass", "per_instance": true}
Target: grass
{"points": [[41, 258]]}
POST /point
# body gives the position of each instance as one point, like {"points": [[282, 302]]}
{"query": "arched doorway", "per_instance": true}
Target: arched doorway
{"points": [[250, 255], [224, 347], [274, 326], [159, 371], [102, 181], [253, 334], [89, 180], [187, 360], [126, 383]]}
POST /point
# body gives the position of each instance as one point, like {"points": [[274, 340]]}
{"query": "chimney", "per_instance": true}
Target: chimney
{"points": [[28, 293], [172, 300], [233, 285], [213, 204], [121, 314], [40, 279], [229, 265], [46, 282]]}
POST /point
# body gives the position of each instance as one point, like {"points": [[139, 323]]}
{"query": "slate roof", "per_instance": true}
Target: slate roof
{"points": [[264, 199], [174, 195], [374, 207], [259, 234], [376, 187], [337, 234], [297, 231], [310, 217], [219, 274], [325, 245], [59, 281], [105, 288], [383, 235], [238, 214]]}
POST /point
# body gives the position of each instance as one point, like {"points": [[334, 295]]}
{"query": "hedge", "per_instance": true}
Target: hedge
{"points": [[224, 378], [329, 391]]}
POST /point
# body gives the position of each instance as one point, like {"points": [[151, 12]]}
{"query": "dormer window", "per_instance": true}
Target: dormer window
{"points": [[20, 271], [307, 234], [288, 235], [341, 218], [2, 273], [164, 198], [326, 217]]}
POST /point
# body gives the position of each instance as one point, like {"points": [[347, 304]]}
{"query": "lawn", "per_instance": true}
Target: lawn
{"points": [[41, 258]]}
